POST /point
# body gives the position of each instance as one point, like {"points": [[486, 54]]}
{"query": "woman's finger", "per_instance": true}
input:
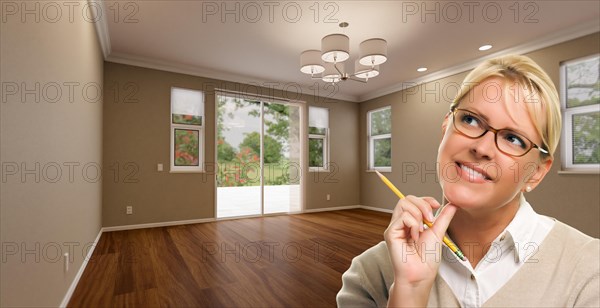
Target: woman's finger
{"points": [[412, 224], [414, 210], [397, 210], [423, 206], [433, 202], [443, 220], [405, 227]]}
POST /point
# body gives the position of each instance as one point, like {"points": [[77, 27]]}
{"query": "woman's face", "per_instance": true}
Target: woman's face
{"points": [[473, 173]]}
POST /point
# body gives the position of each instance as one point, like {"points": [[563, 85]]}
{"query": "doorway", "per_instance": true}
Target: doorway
{"points": [[258, 156]]}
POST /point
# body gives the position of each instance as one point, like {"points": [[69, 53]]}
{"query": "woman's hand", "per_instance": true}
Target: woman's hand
{"points": [[415, 252]]}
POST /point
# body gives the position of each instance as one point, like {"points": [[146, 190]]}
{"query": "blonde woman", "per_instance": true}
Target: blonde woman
{"points": [[498, 143]]}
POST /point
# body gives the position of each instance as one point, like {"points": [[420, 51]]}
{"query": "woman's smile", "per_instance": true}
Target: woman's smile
{"points": [[471, 173]]}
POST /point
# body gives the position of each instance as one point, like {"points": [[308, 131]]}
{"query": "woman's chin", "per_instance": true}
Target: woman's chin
{"points": [[461, 197]]}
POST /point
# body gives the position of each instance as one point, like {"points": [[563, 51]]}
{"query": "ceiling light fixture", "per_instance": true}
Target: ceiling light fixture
{"points": [[485, 47], [421, 69], [335, 50]]}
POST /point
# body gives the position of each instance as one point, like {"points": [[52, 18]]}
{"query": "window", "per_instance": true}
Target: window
{"points": [[187, 130], [318, 139], [379, 130], [580, 100]]}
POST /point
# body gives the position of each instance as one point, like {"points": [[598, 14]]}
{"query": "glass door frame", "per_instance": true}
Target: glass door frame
{"points": [[303, 169]]}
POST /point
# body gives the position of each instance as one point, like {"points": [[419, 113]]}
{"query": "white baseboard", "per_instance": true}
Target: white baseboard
{"points": [[335, 208], [75, 281], [349, 207], [377, 209], [157, 224], [203, 220]]}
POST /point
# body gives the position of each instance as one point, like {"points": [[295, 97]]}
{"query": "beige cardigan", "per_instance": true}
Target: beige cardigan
{"points": [[566, 274]]}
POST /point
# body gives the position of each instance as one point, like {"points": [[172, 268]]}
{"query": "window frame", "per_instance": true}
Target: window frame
{"points": [[371, 142], [199, 128], [567, 122], [325, 138]]}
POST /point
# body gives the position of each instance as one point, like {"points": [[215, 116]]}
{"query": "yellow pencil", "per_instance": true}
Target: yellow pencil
{"points": [[446, 240]]}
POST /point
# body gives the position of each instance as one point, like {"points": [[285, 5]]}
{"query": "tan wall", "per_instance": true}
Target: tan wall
{"points": [[416, 133], [137, 133], [42, 218]]}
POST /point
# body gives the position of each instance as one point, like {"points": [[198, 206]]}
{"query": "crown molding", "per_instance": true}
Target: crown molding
{"points": [[543, 42], [101, 25], [129, 59]]}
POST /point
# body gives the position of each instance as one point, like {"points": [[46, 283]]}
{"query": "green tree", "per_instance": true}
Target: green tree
{"points": [[278, 139], [583, 83], [315, 152], [381, 122], [225, 152], [383, 152], [586, 138], [272, 147], [276, 120], [583, 89]]}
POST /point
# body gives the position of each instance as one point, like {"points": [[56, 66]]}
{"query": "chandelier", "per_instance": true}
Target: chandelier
{"points": [[329, 62]]}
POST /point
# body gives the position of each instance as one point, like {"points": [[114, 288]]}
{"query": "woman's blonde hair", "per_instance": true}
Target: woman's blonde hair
{"points": [[541, 101]]}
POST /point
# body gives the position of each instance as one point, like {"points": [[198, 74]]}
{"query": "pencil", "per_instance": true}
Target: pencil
{"points": [[446, 240]]}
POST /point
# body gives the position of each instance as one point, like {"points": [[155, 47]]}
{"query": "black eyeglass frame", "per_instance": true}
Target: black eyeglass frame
{"points": [[488, 128]]}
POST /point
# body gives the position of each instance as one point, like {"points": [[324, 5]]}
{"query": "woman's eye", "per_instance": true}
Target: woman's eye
{"points": [[515, 140], [470, 120]]}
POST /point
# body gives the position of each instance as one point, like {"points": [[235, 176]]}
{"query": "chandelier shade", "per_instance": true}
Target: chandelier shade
{"points": [[310, 62], [329, 62], [335, 48], [333, 72], [373, 52], [365, 71]]}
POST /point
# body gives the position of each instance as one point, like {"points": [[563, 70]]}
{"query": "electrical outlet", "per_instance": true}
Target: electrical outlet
{"points": [[159, 167], [328, 197], [129, 210]]}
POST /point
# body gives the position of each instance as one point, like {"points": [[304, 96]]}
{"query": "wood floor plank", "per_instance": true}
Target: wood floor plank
{"points": [[97, 282], [276, 261], [146, 298], [135, 268], [176, 286], [206, 267]]}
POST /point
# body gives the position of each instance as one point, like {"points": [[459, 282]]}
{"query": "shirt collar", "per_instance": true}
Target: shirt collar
{"points": [[520, 230]]}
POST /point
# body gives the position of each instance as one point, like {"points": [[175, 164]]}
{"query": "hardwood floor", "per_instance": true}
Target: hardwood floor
{"points": [[290, 261]]}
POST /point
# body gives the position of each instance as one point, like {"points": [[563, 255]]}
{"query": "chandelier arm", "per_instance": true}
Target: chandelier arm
{"points": [[337, 69], [351, 77], [366, 71], [354, 75]]}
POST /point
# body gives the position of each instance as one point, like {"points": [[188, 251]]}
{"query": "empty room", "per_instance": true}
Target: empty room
{"points": [[300, 153]]}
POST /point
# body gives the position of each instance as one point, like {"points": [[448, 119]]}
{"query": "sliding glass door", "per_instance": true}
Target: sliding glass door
{"points": [[281, 159], [258, 155]]}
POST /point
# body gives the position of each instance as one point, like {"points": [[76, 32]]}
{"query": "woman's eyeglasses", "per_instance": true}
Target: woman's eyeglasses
{"points": [[471, 125]]}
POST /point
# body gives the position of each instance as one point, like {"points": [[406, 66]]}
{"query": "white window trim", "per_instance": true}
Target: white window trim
{"points": [[325, 139], [371, 144], [567, 131], [199, 128]]}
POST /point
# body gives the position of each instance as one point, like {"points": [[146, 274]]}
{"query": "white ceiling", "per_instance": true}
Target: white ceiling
{"points": [[194, 37]]}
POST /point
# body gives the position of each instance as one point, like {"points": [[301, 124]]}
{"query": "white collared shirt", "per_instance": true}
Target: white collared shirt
{"points": [[515, 246]]}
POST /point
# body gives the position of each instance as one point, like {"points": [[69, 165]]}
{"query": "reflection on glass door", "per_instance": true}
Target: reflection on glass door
{"points": [[258, 155], [281, 159]]}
